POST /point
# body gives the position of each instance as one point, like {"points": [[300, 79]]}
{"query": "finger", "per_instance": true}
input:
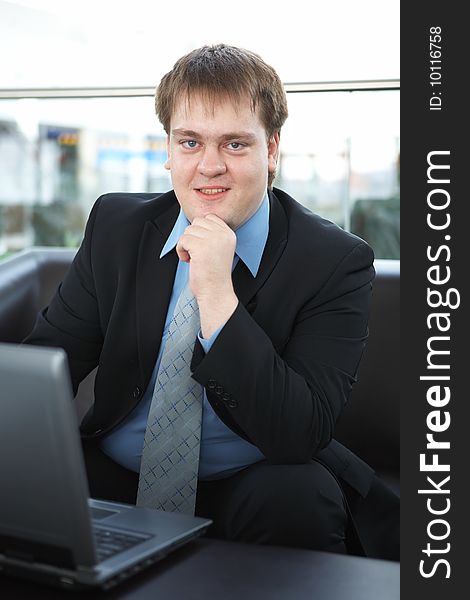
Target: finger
{"points": [[202, 222], [190, 240], [197, 231], [182, 253], [216, 220]]}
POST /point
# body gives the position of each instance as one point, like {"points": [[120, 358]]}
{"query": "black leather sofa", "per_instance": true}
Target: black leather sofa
{"points": [[370, 424]]}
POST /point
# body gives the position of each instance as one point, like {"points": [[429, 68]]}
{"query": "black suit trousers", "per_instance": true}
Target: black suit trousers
{"points": [[301, 506]]}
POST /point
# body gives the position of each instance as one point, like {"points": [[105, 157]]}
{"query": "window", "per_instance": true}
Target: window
{"points": [[339, 157]]}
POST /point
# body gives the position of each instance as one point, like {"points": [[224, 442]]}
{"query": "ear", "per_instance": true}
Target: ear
{"points": [[167, 163], [273, 152]]}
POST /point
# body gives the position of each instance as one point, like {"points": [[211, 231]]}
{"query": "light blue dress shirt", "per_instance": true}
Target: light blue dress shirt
{"points": [[223, 452]]}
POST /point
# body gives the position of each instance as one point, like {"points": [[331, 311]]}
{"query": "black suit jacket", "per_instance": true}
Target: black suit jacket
{"points": [[281, 369]]}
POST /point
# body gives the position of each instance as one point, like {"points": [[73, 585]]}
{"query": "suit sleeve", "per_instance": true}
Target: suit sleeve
{"points": [[71, 321], [287, 403]]}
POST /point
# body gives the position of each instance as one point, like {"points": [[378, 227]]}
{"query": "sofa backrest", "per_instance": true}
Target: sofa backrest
{"points": [[369, 424], [27, 282]]}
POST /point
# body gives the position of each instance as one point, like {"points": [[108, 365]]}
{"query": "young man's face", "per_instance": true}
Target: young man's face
{"points": [[219, 159]]}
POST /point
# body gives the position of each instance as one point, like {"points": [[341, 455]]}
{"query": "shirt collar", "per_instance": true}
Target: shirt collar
{"points": [[177, 231], [251, 236]]}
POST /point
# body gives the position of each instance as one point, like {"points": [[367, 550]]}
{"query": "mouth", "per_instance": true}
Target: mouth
{"points": [[211, 193]]}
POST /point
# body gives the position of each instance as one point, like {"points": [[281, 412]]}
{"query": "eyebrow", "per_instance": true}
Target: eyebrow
{"points": [[238, 135]]}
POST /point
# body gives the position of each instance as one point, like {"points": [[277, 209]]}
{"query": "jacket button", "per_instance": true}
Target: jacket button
{"points": [[226, 396], [211, 384], [136, 393], [232, 404], [219, 390]]}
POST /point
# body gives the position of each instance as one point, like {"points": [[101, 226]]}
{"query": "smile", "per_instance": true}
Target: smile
{"points": [[211, 194], [211, 191]]}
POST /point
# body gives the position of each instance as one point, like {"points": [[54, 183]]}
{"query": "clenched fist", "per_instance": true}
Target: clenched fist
{"points": [[208, 244]]}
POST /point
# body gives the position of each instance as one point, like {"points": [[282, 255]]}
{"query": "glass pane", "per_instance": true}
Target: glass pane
{"points": [[339, 157], [58, 156]]}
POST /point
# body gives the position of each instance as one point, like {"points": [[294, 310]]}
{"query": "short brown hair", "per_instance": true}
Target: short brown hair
{"points": [[224, 71]]}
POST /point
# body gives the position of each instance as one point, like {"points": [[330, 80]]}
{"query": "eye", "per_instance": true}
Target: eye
{"points": [[190, 144], [235, 146]]}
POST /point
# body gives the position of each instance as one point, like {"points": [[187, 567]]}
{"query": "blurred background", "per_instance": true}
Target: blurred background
{"points": [[77, 117]]}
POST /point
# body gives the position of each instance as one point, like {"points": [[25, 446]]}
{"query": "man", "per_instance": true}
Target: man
{"points": [[281, 301]]}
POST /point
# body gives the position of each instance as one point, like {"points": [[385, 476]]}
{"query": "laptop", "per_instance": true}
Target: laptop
{"points": [[50, 530]]}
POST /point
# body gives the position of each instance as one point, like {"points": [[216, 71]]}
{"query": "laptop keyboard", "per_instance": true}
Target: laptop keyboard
{"points": [[109, 542]]}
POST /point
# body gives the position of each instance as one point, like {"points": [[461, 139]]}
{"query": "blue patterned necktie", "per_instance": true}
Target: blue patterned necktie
{"points": [[170, 456]]}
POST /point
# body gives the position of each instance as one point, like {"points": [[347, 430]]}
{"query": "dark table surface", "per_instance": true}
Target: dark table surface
{"points": [[212, 569]]}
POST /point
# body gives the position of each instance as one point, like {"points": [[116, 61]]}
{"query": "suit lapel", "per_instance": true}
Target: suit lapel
{"points": [[154, 282], [244, 283]]}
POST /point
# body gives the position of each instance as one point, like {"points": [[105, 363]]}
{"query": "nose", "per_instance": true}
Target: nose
{"points": [[211, 162]]}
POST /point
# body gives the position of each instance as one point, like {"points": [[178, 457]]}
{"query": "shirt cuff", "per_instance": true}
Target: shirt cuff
{"points": [[207, 344]]}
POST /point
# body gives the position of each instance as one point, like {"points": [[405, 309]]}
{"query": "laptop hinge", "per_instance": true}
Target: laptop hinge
{"points": [[36, 552]]}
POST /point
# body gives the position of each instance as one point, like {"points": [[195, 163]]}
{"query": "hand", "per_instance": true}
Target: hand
{"points": [[208, 244]]}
